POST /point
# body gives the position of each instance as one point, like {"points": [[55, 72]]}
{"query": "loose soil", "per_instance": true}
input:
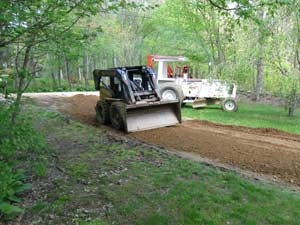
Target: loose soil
{"points": [[267, 151], [81, 107], [259, 150]]}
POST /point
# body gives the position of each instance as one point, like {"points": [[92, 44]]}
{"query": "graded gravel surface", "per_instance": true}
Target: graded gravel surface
{"points": [[266, 151], [259, 150]]}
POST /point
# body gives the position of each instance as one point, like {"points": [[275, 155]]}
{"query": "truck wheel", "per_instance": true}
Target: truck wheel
{"points": [[229, 105], [118, 115], [170, 91], [102, 113]]}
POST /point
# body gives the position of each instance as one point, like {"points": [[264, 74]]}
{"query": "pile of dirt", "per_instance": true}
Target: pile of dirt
{"points": [[267, 151], [81, 107]]}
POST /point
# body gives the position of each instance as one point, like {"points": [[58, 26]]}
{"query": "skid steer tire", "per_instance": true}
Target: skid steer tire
{"points": [[171, 91], [102, 112], [117, 113], [229, 105]]}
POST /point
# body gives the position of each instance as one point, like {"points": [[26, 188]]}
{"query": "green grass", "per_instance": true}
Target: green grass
{"points": [[250, 115], [20, 146], [109, 181]]}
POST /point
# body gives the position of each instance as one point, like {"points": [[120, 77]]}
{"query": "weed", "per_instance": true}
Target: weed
{"points": [[40, 168], [11, 184], [39, 206], [79, 169]]}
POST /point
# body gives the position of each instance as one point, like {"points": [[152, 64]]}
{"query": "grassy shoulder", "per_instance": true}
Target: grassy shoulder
{"points": [[249, 115], [102, 178]]}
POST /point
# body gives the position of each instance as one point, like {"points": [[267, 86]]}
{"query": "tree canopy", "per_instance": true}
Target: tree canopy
{"points": [[253, 43]]}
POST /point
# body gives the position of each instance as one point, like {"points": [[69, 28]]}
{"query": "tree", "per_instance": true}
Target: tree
{"points": [[28, 24], [287, 53]]}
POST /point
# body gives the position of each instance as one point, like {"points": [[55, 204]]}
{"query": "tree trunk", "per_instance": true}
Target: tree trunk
{"points": [[17, 102], [68, 71], [114, 60], [293, 104], [260, 59], [259, 78], [221, 57], [21, 88], [141, 58], [94, 62], [59, 76], [195, 73], [87, 72], [79, 73], [53, 80], [103, 60]]}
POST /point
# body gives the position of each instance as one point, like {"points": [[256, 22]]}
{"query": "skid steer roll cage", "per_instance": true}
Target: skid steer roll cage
{"points": [[131, 91]]}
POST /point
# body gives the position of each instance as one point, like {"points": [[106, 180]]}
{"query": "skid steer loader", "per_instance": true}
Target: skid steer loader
{"points": [[130, 100]]}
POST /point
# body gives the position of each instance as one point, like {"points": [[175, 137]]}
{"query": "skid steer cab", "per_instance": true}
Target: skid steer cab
{"points": [[130, 100]]}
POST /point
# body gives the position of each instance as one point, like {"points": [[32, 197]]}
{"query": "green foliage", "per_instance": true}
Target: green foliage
{"points": [[221, 39], [11, 184], [9, 211], [41, 16], [18, 143], [40, 167], [19, 140], [221, 43]]}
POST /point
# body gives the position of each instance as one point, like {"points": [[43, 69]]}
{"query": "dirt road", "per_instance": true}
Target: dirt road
{"points": [[266, 151], [259, 150]]}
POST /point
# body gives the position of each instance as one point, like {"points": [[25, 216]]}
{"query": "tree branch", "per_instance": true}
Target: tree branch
{"points": [[222, 7]]}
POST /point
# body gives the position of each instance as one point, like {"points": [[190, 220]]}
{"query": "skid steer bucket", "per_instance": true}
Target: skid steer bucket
{"points": [[152, 115]]}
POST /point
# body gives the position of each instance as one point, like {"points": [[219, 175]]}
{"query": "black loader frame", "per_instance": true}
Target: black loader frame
{"points": [[130, 100]]}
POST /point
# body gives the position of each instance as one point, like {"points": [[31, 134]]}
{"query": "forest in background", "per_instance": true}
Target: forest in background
{"points": [[253, 43]]}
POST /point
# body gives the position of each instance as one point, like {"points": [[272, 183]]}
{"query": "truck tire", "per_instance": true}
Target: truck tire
{"points": [[229, 105], [171, 91], [102, 112], [117, 113]]}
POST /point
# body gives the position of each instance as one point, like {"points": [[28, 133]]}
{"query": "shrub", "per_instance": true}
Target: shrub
{"points": [[18, 143], [11, 184], [19, 140]]}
